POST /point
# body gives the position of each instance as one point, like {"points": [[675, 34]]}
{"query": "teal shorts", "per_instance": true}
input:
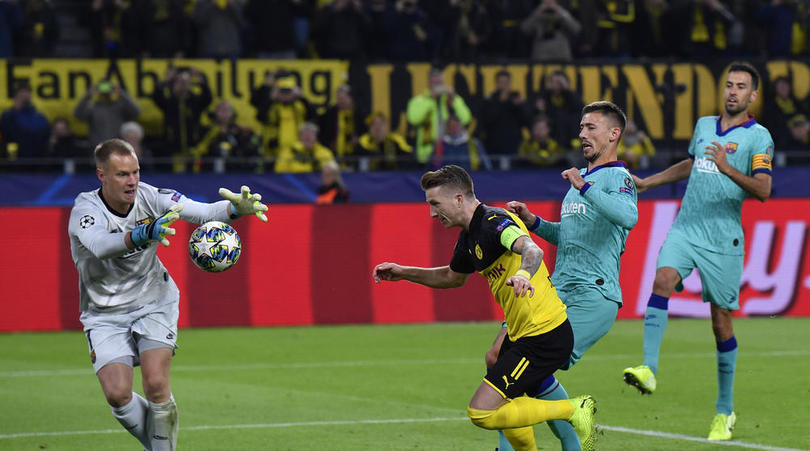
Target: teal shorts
{"points": [[720, 274], [591, 316]]}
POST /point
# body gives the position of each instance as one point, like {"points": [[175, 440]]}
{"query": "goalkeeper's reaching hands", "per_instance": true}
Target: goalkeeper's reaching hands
{"points": [[157, 230], [245, 203]]}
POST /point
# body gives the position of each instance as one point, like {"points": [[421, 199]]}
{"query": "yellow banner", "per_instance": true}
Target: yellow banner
{"points": [[664, 98], [58, 84]]}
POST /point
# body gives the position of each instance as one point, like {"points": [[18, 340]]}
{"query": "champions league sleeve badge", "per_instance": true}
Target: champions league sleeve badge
{"points": [[628, 186], [86, 221]]}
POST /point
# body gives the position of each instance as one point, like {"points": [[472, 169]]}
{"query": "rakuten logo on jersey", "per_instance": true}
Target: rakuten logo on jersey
{"points": [[707, 166], [572, 208]]}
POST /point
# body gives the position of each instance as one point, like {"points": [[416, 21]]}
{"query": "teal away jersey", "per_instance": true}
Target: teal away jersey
{"points": [[712, 205], [594, 224]]}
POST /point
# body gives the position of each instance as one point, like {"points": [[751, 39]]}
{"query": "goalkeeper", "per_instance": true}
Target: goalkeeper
{"points": [[596, 216], [129, 304]]}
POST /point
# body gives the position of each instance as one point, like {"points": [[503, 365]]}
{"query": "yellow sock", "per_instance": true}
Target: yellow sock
{"points": [[522, 439], [520, 412]]}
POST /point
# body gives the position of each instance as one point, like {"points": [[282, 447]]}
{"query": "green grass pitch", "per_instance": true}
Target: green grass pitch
{"points": [[404, 387]]}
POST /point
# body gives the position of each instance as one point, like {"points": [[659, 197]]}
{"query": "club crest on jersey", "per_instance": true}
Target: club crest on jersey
{"points": [[176, 196], [731, 147], [479, 253], [145, 221], [504, 224], [86, 221]]}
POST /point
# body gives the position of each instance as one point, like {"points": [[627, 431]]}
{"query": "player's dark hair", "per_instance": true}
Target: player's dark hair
{"points": [[742, 66], [450, 175], [503, 73], [112, 146], [609, 109]]}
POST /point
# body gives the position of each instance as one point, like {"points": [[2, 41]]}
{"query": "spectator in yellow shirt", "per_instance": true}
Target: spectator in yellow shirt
{"points": [[540, 149], [635, 148], [384, 149], [306, 155]]}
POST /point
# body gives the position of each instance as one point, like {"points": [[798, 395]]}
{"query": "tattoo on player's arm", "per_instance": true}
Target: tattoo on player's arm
{"points": [[531, 255]]}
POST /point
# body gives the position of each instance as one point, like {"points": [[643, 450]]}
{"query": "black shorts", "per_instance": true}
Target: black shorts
{"points": [[523, 364]]}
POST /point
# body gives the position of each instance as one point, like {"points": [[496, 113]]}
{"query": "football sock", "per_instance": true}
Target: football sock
{"points": [[521, 412], [520, 439], [162, 425], [551, 390], [562, 429], [132, 416], [726, 366], [655, 323], [503, 442]]}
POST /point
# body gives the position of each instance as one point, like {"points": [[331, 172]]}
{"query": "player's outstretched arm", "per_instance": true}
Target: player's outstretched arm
{"points": [[154, 231], [245, 203], [441, 277], [547, 230], [672, 174]]}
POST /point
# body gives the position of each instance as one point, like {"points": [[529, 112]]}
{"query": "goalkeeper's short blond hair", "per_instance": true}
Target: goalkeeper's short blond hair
{"points": [[112, 146]]}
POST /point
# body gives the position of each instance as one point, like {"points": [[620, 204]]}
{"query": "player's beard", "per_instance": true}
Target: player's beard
{"points": [[595, 155], [735, 109]]}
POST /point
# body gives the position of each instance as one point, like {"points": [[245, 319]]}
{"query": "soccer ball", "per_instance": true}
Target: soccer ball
{"points": [[214, 246]]}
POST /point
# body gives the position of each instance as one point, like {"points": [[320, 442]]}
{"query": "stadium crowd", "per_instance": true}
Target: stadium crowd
{"points": [[501, 130], [414, 30]]}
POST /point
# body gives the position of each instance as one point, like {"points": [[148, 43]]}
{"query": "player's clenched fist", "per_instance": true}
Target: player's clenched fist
{"points": [[387, 271], [522, 211], [573, 176]]}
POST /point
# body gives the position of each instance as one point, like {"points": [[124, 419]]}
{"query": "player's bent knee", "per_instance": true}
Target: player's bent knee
{"points": [[156, 388], [117, 392], [665, 281], [481, 418], [118, 396]]}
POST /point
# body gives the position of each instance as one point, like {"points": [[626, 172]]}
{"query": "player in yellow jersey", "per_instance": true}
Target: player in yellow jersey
{"points": [[539, 339]]}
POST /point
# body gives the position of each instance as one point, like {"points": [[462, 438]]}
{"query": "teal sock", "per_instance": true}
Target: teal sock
{"points": [[726, 366], [503, 443], [551, 390], [655, 323], [561, 429]]}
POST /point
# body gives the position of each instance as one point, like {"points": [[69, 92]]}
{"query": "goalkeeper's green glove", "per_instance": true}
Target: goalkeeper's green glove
{"points": [[245, 203], [157, 230]]}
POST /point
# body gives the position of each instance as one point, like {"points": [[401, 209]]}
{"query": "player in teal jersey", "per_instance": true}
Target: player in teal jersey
{"points": [[596, 216], [729, 159]]}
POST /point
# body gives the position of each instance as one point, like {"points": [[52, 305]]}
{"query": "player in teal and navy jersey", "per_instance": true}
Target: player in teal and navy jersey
{"points": [[729, 160], [596, 216]]}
